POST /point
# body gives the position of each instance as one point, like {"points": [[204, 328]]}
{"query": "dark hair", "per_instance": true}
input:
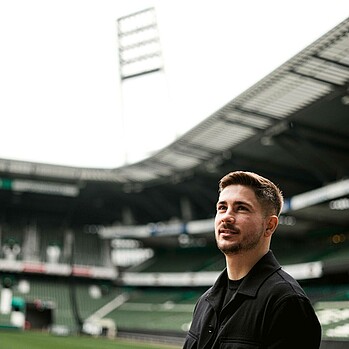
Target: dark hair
{"points": [[267, 193]]}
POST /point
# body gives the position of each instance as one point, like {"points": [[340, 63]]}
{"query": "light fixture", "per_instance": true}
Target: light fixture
{"points": [[139, 44]]}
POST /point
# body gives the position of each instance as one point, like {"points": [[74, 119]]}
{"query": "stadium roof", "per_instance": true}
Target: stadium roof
{"points": [[292, 126]]}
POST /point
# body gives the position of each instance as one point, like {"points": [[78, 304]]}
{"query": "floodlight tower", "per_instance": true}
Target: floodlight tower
{"points": [[139, 44], [140, 56]]}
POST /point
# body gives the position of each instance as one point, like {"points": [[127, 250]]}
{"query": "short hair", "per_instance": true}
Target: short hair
{"points": [[267, 193]]}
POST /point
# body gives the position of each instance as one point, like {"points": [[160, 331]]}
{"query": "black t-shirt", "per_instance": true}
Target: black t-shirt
{"points": [[232, 287]]}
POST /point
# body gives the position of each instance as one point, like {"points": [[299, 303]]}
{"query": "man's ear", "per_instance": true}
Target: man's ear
{"points": [[271, 225]]}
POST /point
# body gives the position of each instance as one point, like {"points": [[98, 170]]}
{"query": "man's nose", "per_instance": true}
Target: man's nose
{"points": [[228, 216]]}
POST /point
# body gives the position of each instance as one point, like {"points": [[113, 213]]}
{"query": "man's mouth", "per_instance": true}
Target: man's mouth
{"points": [[227, 232]]}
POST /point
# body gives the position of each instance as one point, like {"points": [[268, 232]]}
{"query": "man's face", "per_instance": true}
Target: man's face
{"points": [[240, 222]]}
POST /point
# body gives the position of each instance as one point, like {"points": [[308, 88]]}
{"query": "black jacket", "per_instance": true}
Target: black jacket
{"points": [[269, 310]]}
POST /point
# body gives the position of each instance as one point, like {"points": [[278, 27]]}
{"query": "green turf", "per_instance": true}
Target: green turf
{"points": [[38, 340]]}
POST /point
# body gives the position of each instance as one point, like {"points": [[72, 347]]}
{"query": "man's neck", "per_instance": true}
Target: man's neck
{"points": [[239, 264]]}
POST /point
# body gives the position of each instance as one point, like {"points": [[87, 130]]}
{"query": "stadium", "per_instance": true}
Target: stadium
{"points": [[125, 253]]}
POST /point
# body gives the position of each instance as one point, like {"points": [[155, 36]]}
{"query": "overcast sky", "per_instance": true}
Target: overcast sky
{"points": [[61, 99]]}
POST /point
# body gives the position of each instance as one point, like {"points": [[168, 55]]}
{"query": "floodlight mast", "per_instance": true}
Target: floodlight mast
{"points": [[139, 44], [139, 52]]}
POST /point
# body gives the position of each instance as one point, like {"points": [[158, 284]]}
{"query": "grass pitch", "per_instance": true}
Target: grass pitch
{"points": [[38, 340]]}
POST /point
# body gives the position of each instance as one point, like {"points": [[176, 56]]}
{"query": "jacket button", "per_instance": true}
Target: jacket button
{"points": [[210, 329]]}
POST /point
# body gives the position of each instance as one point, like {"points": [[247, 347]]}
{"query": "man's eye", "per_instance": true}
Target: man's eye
{"points": [[221, 207], [241, 208]]}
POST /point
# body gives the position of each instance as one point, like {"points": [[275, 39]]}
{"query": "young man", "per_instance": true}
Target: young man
{"points": [[253, 303]]}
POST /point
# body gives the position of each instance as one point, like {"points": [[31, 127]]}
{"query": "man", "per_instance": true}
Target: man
{"points": [[253, 303]]}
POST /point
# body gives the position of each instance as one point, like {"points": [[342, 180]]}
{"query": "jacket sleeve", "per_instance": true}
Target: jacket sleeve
{"points": [[201, 328], [294, 324]]}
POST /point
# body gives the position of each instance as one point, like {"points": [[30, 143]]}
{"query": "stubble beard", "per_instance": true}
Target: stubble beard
{"points": [[245, 245]]}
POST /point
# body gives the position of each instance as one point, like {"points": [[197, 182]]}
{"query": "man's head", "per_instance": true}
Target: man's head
{"points": [[267, 193], [247, 213]]}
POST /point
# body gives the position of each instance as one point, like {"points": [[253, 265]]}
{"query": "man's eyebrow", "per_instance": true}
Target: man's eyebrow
{"points": [[242, 203]]}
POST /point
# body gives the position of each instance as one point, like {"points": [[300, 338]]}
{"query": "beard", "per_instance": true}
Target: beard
{"points": [[246, 244]]}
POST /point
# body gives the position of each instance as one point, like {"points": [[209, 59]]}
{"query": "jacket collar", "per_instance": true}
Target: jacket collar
{"points": [[266, 266]]}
